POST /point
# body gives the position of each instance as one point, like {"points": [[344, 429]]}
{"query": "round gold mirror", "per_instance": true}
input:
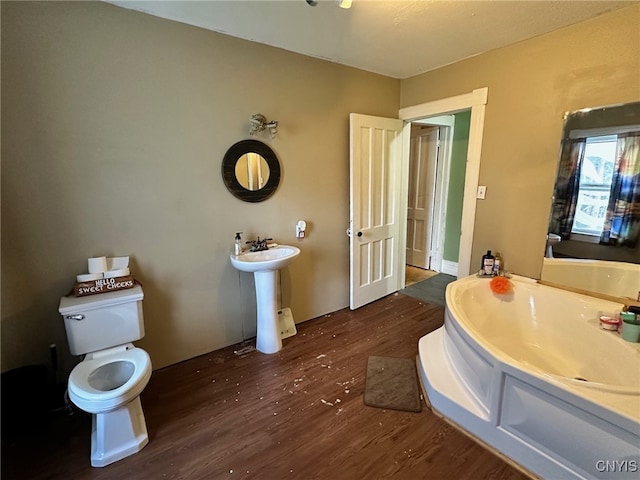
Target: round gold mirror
{"points": [[251, 171]]}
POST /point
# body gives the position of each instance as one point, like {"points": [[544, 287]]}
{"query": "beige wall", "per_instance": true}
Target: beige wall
{"points": [[114, 125], [531, 85]]}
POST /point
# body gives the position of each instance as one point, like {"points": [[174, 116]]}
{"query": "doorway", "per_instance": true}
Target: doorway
{"points": [[430, 150], [475, 101], [379, 164]]}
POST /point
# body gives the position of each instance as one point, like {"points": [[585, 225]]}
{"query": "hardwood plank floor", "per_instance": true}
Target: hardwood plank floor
{"points": [[296, 414], [414, 275]]}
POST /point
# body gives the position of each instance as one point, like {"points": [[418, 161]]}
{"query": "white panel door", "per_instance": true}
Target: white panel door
{"points": [[422, 187], [376, 207]]}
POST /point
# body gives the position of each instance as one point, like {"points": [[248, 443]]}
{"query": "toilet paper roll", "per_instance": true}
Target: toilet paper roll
{"points": [[98, 265], [88, 277], [123, 272], [117, 263]]}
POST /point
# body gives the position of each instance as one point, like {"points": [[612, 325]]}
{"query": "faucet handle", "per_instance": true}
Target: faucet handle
{"points": [[258, 245]]}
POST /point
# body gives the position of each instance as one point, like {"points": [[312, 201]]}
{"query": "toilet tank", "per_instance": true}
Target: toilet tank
{"points": [[105, 320]]}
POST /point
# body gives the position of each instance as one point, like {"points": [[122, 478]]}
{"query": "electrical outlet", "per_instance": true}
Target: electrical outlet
{"points": [[482, 192]]}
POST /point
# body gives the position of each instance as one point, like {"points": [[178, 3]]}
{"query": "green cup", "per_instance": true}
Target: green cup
{"points": [[631, 332]]}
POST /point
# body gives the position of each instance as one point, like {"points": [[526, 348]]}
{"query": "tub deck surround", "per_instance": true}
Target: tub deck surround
{"points": [[625, 302], [618, 279], [533, 376]]}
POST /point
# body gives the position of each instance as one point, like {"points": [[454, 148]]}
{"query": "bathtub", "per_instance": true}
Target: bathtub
{"points": [[533, 377], [611, 278]]}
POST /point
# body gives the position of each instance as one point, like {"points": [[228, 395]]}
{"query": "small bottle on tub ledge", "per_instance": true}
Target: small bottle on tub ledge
{"points": [[497, 264], [487, 267], [487, 263]]}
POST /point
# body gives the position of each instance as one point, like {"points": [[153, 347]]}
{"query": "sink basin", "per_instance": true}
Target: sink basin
{"points": [[265, 265], [267, 260]]}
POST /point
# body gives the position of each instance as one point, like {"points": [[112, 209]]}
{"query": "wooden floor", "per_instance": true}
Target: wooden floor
{"points": [[297, 414], [415, 275]]}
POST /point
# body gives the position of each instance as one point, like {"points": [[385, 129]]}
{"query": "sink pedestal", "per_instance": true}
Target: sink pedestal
{"points": [[264, 265], [268, 338]]}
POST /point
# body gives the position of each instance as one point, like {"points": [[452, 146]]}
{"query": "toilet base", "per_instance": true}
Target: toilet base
{"points": [[118, 434]]}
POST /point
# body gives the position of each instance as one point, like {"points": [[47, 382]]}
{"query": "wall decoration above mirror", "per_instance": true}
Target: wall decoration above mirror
{"points": [[251, 171], [259, 123], [596, 204]]}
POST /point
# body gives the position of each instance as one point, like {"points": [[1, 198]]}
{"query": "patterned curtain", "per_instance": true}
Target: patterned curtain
{"points": [[622, 223], [567, 187]]}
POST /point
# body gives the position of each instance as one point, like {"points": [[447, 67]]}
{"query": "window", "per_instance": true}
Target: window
{"points": [[596, 197], [596, 175]]}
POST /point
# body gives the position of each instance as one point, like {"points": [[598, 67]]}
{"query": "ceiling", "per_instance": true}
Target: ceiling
{"points": [[396, 38]]}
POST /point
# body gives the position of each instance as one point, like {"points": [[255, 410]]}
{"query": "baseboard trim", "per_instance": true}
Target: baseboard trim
{"points": [[450, 268]]}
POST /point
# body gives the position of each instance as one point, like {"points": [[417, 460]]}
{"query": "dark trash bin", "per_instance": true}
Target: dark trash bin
{"points": [[24, 399]]}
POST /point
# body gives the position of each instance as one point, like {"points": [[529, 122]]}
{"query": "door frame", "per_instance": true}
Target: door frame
{"points": [[476, 101]]}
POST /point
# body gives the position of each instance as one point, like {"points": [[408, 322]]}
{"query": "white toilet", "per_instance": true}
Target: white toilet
{"points": [[108, 382]]}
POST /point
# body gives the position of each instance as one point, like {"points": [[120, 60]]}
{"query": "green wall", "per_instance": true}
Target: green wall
{"points": [[456, 186]]}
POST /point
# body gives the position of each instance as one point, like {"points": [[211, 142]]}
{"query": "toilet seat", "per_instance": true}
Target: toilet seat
{"points": [[93, 400]]}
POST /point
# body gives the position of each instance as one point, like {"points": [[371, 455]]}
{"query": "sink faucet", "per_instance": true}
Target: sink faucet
{"points": [[258, 245]]}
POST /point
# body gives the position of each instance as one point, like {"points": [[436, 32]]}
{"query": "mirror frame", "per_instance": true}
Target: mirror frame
{"points": [[235, 152]]}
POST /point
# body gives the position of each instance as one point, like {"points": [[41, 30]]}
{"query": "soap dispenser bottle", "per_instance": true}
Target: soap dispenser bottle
{"points": [[237, 247]]}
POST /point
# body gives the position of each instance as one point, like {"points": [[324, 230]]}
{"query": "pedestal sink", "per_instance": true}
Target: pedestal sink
{"points": [[264, 266]]}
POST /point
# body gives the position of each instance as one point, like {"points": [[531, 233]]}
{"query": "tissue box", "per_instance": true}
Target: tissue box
{"points": [[103, 285]]}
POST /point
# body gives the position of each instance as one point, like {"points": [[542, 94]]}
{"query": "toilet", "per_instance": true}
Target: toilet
{"points": [[109, 380]]}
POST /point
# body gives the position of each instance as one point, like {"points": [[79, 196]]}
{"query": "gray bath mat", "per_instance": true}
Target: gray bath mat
{"points": [[431, 290], [392, 383]]}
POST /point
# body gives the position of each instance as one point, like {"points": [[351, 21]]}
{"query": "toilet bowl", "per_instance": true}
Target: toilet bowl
{"points": [[106, 380], [108, 385]]}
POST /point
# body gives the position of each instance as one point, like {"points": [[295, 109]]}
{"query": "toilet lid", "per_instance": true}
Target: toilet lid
{"points": [[83, 379]]}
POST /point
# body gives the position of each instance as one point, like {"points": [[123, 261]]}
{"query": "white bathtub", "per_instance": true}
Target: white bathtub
{"points": [[611, 278], [533, 376]]}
